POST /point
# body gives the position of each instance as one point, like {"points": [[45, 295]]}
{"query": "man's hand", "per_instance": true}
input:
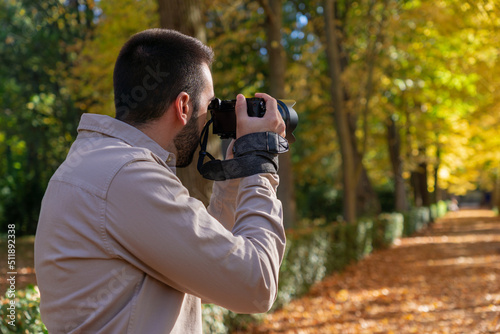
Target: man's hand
{"points": [[229, 151], [272, 120]]}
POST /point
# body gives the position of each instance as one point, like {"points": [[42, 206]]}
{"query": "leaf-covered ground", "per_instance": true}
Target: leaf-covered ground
{"points": [[445, 279]]}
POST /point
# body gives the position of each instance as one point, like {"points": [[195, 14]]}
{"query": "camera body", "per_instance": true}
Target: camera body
{"points": [[224, 115]]}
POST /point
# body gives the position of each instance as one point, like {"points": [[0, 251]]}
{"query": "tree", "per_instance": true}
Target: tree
{"points": [[340, 113], [186, 17], [276, 78], [348, 103], [432, 84], [394, 148], [40, 41], [91, 79]]}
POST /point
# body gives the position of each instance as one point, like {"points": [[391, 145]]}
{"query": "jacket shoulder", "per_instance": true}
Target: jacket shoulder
{"points": [[92, 166]]}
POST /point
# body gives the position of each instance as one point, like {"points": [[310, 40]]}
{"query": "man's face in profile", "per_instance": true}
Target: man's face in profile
{"points": [[187, 140]]}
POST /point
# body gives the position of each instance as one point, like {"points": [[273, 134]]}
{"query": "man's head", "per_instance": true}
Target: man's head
{"points": [[152, 69], [155, 70]]}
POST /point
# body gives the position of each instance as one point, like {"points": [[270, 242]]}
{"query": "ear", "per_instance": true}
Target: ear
{"points": [[181, 105]]}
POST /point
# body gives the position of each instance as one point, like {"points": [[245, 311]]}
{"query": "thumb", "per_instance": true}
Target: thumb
{"points": [[241, 106]]}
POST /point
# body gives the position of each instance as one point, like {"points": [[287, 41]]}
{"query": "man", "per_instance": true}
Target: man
{"points": [[121, 247]]}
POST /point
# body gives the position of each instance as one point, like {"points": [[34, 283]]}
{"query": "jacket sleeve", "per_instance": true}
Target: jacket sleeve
{"points": [[153, 223], [222, 204]]}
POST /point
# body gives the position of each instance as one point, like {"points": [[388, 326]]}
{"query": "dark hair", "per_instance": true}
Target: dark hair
{"points": [[153, 67]]}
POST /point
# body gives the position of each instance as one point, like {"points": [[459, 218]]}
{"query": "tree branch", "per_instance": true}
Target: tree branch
{"points": [[271, 15]]}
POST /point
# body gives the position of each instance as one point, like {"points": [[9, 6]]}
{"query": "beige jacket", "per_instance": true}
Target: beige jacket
{"points": [[121, 247]]}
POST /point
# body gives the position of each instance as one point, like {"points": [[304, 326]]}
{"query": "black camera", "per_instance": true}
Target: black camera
{"points": [[224, 115]]}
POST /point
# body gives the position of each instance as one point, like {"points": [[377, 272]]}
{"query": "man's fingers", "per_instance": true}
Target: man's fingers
{"points": [[273, 114], [229, 151], [272, 120], [241, 106], [271, 103]]}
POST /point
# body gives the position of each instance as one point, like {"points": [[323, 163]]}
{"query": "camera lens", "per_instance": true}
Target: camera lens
{"points": [[289, 115]]}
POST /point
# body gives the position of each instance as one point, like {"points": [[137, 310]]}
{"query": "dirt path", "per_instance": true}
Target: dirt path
{"points": [[443, 280]]}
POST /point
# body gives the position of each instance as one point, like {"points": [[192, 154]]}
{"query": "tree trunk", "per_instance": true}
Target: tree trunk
{"points": [[394, 146], [340, 113], [438, 194], [277, 61], [367, 199], [367, 202], [185, 16], [417, 196], [495, 200], [419, 181]]}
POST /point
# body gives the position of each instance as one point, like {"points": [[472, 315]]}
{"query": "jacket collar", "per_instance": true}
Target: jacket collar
{"points": [[115, 128]]}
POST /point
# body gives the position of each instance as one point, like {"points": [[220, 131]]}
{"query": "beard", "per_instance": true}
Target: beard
{"points": [[186, 142]]}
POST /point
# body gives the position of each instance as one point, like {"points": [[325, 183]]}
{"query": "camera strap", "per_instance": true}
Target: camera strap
{"points": [[253, 154], [204, 169]]}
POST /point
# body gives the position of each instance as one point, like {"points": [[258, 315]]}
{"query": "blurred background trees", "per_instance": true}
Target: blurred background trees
{"points": [[398, 99], [39, 44]]}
